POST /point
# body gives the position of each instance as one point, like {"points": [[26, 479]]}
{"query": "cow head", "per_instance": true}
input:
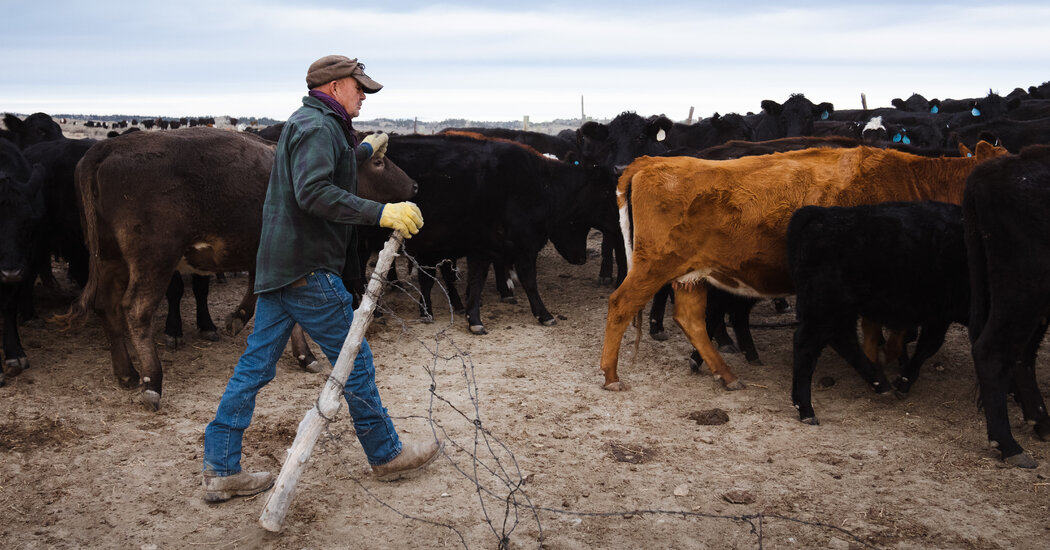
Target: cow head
{"points": [[794, 118], [36, 128], [381, 180], [731, 126], [593, 206], [21, 211], [626, 138]]}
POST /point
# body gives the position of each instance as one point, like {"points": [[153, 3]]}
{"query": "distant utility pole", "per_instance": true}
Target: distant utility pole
{"points": [[415, 125], [525, 123], [863, 101], [689, 119], [583, 117]]}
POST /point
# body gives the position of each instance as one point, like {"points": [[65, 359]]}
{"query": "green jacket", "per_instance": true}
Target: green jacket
{"points": [[311, 206]]}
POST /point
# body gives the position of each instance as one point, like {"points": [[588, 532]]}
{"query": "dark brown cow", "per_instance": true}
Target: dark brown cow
{"points": [[725, 222], [191, 198]]}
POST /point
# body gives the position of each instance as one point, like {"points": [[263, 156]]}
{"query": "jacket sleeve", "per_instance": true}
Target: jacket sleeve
{"points": [[314, 156]]}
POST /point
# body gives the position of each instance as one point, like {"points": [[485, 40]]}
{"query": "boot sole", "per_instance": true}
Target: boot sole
{"points": [[405, 474], [223, 496]]}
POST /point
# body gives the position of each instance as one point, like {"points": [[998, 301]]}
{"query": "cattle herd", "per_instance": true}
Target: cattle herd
{"points": [[906, 219]]}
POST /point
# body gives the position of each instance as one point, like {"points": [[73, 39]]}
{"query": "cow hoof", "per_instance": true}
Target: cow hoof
{"points": [[1021, 460], [729, 348], [313, 366], [210, 335], [1042, 429], [234, 325], [880, 387], [151, 400], [15, 366], [659, 336], [548, 322], [604, 281], [478, 329], [508, 299], [811, 420], [734, 385], [616, 386], [173, 342]]}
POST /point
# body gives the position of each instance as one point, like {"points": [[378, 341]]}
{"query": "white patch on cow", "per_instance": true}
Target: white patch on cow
{"points": [[661, 135], [551, 156], [695, 277], [625, 228], [874, 124]]}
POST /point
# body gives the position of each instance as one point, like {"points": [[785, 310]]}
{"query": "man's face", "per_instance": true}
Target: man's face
{"points": [[348, 93]]}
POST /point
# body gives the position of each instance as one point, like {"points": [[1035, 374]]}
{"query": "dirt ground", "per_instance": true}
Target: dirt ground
{"points": [[536, 453]]}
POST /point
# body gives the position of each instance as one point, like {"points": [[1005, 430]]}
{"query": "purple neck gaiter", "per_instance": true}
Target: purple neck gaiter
{"points": [[344, 116]]}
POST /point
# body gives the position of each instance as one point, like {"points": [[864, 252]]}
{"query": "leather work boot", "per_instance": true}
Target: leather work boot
{"points": [[241, 484], [413, 458]]}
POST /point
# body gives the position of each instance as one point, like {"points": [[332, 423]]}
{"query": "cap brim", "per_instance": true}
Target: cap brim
{"points": [[367, 84]]}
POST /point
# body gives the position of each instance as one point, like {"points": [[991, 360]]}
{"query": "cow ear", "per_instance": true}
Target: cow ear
{"points": [[1013, 103], [659, 126], [771, 107], [594, 130], [823, 110], [898, 103]]}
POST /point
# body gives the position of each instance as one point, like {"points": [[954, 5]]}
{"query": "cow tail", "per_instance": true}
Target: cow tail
{"points": [[86, 177], [624, 204], [977, 261]]}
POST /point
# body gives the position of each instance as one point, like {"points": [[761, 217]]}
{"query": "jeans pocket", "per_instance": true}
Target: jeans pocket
{"points": [[316, 292]]}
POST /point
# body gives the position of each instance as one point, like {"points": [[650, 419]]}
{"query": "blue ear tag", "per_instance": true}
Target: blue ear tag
{"points": [[897, 138], [969, 154], [934, 109], [576, 162], [824, 115], [906, 140], [975, 112]]}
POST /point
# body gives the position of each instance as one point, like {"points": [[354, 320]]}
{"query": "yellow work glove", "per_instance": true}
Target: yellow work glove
{"points": [[404, 217], [378, 143]]}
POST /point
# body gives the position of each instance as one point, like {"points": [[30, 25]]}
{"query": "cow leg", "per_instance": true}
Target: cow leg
{"points": [[656, 313], [605, 270], [449, 276], [477, 272], [624, 304], [205, 326], [301, 351], [107, 305], [1026, 389], [994, 356], [740, 317], [238, 318], [526, 267], [931, 338], [718, 303], [621, 258], [504, 286], [690, 314], [173, 322], [15, 360], [140, 302], [872, 334], [809, 341], [427, 276], [844, 341]]}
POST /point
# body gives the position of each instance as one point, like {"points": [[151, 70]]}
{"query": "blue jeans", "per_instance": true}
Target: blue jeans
{"points": [[325, 310]]}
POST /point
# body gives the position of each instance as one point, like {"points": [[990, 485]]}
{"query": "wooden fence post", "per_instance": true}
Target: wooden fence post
{"points": [[327, 405]]}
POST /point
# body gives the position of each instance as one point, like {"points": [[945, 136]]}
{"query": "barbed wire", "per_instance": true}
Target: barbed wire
{"points": [[493, 468]]}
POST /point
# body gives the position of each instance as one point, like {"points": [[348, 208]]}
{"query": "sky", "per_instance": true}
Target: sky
{"points": [[499, 60]]}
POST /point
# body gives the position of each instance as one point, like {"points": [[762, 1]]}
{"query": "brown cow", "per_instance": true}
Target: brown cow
{"points": [[192, 197], [689, 220]]}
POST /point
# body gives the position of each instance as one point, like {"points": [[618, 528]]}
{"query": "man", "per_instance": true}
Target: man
{"points": [[308, 219]]}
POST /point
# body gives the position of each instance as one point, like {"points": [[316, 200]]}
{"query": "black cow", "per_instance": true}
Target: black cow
{"points": [[1014, 135], [792, 119], [901, 264], [709, 132], [21, 216], [1006, 206], [36, 128], [614, 146], [493, 201], [208, 217], [915, 104], [545, 143]]}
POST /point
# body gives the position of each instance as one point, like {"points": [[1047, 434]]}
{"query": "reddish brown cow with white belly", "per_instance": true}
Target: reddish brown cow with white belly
{"points": [[689, 220]]}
